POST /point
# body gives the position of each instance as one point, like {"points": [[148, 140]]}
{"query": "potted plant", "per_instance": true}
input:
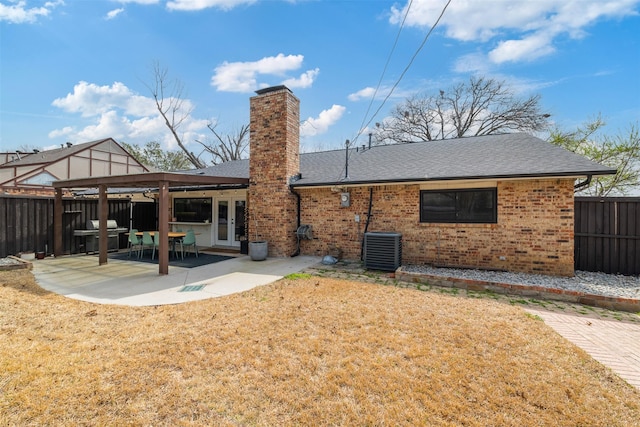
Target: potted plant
{"points": [[258, 249]]}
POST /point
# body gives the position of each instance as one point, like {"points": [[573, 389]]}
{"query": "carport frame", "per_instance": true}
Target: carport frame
{"points": [[162, 180]]}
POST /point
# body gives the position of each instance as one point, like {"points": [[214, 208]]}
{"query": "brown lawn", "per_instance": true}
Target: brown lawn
{"points": [[310, 351]]}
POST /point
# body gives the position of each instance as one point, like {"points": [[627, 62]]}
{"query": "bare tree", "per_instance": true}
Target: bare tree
{"points": [[480, 107], [168, 96], [228, 147]]}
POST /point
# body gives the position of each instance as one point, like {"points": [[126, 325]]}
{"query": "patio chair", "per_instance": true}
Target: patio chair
{"points": [[147, 241], [189, 240], [134, 241], [156, 244], [174, 243]]}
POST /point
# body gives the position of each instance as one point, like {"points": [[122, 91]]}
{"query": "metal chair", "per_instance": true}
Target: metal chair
{"points": [[189, 240], [174, 243], [134, 241], [147, 241], [156, 244]]}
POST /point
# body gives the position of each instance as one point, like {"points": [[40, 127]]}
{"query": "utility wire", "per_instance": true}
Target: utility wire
{"points": [[424, 41], [395, 44]]}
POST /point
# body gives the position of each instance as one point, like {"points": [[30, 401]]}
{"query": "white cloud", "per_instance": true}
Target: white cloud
{"points": [[243, 76], [383, 92], [67, 130], [19, 13], [305, 80], [326, 118], [526, 49], [138, 1], [90, 99], [365, 93], [473, 63], [113, 13], [523, 30], [205, 4], [118, 112]]}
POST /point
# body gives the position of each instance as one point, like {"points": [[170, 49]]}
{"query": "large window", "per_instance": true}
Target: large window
{"points": [[477, 205], [192, 210]]}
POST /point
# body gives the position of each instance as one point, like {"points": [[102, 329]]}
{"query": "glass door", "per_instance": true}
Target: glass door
{"points": [[229, 222], [240, 231], [222, 223]]}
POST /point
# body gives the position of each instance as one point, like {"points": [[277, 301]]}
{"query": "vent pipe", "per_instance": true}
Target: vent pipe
{"points": [[346, 160], [370, 135]]}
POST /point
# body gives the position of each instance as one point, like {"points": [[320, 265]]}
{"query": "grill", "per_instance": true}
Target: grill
{"points": [[92, 238]]}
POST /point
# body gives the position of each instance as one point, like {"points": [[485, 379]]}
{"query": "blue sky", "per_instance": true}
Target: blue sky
{"points": [[78, 70]]}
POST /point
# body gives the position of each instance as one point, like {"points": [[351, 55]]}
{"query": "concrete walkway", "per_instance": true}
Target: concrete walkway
{"points": [[139, 284], [613, 343]]}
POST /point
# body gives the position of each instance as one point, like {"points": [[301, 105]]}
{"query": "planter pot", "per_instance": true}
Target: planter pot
{"points": [[258, 250], [29, 256], [40, 255]]}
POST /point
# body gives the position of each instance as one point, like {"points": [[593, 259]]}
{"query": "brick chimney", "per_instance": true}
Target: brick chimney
{"points": [[274, 160]]}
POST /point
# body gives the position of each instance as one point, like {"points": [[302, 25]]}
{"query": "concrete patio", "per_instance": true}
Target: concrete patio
{"points": [[139, 284]]}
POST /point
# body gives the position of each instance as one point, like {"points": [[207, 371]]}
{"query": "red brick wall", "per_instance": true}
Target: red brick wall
{"points": [[274, 159], [534, 232]]}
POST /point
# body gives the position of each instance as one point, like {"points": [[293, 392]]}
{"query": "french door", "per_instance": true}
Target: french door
{"points": [[229, 223]]}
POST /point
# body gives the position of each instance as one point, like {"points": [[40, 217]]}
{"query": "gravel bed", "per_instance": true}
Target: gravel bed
{"points": [[610, 285], [9, 261]]}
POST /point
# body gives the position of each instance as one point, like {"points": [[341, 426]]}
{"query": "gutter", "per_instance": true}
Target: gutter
{"points": [[454, 178], [295, 178], [584, 183]]}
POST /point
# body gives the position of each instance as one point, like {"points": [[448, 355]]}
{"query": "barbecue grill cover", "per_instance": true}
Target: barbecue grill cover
{"points": [[94, 224]]}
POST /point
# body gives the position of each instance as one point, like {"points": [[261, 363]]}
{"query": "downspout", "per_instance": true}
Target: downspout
{"points": [[366, 226], [297, 251], [583, 183]]}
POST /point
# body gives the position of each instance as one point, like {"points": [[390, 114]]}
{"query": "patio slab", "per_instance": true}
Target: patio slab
{"points": [[139, 284]]}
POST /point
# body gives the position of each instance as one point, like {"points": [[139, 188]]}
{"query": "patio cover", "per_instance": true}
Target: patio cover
{"points": [[161, 180]]}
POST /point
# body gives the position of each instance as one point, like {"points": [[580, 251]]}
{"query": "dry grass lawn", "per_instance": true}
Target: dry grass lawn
{"points": [[307, 351]]}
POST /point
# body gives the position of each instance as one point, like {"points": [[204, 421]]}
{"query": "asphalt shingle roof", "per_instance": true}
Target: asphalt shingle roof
{"points": [[50, 156], [482, 157]]}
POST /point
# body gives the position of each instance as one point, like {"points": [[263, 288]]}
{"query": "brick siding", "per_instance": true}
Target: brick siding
{"points": [[534, 232]]}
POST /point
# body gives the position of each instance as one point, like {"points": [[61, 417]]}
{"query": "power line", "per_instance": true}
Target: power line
{"points": [[395, 44], [424, 41]]}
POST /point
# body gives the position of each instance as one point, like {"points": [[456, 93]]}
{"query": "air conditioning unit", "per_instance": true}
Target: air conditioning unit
{"points": [[382, 251]]}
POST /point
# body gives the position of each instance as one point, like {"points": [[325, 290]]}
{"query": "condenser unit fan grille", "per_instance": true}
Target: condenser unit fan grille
{"points": [[382, 251]]}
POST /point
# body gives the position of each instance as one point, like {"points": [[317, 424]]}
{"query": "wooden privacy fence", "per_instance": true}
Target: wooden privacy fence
{"points": [[26, 222], [607, 234]]}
